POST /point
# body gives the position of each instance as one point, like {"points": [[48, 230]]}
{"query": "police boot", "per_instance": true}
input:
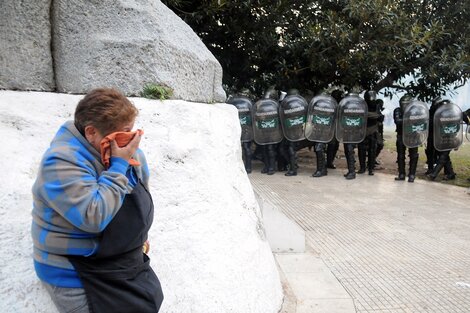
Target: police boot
{"points": [[429, 160], [248, 166], [264, 159], [371, 160], [321, 166], [429, 170], [361, 151], [371, 166], [271, 161], [449, 171], [401, 168], [436, 171], [377, 152], [247, 156], [292, 167], [351, 174], [330, 156], [412, 172]]}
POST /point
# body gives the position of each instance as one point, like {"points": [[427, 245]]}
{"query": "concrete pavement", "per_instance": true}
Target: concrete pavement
{"points": [[373, 244]]}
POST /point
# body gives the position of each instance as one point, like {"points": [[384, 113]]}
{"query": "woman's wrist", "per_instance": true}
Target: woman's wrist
{"points": [[118, 165]]}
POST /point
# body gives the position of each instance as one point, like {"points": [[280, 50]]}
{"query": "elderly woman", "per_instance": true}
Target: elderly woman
{"points": [[92, 212]]}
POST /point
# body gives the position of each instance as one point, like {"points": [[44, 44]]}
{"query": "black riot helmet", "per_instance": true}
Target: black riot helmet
{"points": [[337, 94], [293, 91], [271, 93], [442, 102], [380, 105], [405, 100], [436, 100], [370, 95], [244, 92]]}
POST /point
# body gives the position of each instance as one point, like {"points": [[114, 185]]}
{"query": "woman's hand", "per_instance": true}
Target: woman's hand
{"points": [[129, 150]]}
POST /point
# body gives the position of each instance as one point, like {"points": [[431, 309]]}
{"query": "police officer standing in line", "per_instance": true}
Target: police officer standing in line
{"points": [[351, 128], [401, 148], [430, 151], [380, 128], [466, 119], [292, 113], [244, 107], [368, 147], [267, 129], [333, 145], [320, 127], [446, 137]]}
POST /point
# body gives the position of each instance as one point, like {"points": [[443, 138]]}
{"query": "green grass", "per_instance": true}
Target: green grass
{"points": [[461, 162], [460, 159], [154, 91]]}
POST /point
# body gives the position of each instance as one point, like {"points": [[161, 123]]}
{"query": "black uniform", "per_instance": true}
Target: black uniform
{"points": [[333, 145], [368, 147], [401, 148], [431, 152], [380, 128], [350, 160], [442, 158], [288, 157], [320, 148], [269, 159], [247, 155]]}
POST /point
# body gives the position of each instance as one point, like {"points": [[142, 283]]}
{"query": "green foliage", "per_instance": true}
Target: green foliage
{"points": [[154, 91], [311, 45]]}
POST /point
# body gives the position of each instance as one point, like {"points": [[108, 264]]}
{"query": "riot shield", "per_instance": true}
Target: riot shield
{"points": [[448, 132], [267, 128], [244, 107], [321, 119], [415, 124], [351, 125], [292, 112]]}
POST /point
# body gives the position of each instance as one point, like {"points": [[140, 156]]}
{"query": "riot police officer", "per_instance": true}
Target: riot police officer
{"points": [[447, 136], [292, 112], [401, 148], [320, 128], [380, 128], [430, 151], [333, 145], [466, 117], [351, 128], [244, 107], [368, 147], [267, 129]]}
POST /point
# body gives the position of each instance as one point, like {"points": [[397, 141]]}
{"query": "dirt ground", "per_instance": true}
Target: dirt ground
{"points": [[306, 160]]}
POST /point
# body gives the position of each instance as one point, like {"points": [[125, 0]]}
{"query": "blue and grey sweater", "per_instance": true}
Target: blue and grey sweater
{"points": [[74, 199]]}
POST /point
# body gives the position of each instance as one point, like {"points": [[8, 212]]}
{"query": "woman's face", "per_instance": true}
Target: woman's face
{"points": [[94, 136]]}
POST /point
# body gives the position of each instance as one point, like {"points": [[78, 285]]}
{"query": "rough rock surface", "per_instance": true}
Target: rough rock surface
{"points": [[127, 43], [25, 45]]}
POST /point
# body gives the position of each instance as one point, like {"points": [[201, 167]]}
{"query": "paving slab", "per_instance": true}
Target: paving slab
{"points": [[393, 246], [316, 289]]}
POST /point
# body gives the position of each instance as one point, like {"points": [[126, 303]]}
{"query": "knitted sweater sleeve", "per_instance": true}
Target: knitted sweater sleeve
{"points": [[71, 186]]}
